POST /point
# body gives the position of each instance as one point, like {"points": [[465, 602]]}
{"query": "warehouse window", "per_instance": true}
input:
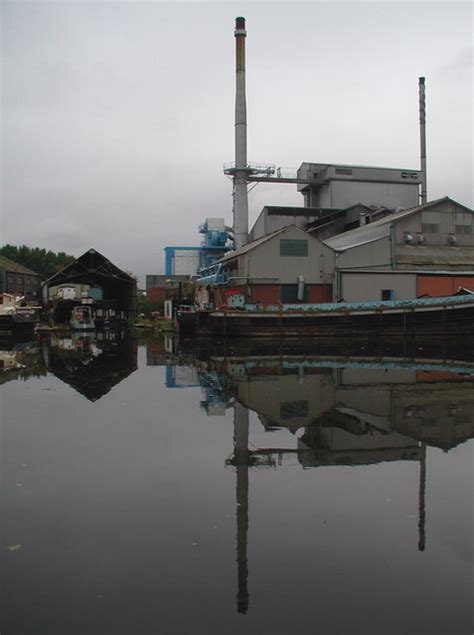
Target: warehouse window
{"points": [[345, 171], [293, 247], [388, 294], [429, 228], [463, 229]]}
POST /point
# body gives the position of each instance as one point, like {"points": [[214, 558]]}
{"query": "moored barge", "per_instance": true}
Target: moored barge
{"points": [[424, 316]]}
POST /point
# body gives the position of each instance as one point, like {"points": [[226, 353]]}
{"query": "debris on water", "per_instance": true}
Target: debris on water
{"points": [[14, 547], [194, 544], [18, 484]]}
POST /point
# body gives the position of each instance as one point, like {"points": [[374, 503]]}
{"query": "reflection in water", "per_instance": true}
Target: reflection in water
{"points": [[91, 363], [346, 411], [332, 409]]}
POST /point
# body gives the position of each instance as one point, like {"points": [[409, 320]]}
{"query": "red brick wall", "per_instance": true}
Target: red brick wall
{"points": [[265, 294], [156, 293], [270, 293], [319, 293], [437, 286]]}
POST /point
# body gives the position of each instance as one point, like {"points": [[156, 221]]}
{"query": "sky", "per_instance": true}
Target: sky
{"points": [[117, 117]]}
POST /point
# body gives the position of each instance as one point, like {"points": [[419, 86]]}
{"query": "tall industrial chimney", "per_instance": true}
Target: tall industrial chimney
{"points": [[241, 204], [421, 93]]}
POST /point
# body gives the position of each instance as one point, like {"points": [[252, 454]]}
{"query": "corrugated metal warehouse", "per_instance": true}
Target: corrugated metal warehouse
{"points": [[435, 240], [268, 270]]}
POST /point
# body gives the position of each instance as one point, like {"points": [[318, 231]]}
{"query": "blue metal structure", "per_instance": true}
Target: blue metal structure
{"points": [[217, 240], [169, 255]]}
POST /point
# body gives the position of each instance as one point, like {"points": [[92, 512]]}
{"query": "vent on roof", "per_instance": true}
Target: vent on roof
{"points": [[420, 239], [409, 238]]}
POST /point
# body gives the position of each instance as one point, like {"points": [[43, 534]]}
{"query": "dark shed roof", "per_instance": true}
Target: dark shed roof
{"points": [[95, 269]]}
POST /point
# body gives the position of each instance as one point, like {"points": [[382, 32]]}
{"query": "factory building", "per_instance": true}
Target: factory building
{"points": [[338, 198], [341, 186], [182, 261], [424, 251], [162, 287], [282, 267], [322, 222], [15, 279]]}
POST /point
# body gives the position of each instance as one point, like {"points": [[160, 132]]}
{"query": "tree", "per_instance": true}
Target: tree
{"points": [[46, 263]]}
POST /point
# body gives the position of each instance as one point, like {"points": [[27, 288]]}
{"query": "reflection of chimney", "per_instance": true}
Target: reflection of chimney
{"points": [[241, 205], [421, 92], [241, 457], [421, 501]]}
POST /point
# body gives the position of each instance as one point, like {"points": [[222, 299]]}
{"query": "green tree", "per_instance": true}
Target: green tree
{"points": [[46, 263]]}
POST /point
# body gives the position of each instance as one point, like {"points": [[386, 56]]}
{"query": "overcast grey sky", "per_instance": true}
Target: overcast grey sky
{"points": [[118, 116]]}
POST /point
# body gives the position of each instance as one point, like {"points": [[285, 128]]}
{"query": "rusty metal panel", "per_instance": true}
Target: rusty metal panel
{"points": [[319, 293], [265, 294], [435, 286]]}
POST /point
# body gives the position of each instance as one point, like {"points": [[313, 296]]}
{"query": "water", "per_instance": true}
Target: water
{"points": [[235, 488]]}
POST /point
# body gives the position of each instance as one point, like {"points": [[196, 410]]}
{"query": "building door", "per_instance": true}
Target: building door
{"points": [[289, 293]]}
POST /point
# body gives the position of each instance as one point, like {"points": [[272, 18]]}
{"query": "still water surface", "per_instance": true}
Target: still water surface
{"points": [[149, 489]]}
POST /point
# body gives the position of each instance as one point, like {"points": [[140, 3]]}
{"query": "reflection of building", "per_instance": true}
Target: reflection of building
{"points": [[92, 364], [350, 411], [20, 359], [352, 407]]}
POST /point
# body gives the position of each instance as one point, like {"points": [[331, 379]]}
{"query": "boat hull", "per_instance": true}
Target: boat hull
{"points": [[17, 323], [449, 319]]}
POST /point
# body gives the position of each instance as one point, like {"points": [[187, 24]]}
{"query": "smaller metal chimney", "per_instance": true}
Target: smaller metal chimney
{"points": [[421, 93]]}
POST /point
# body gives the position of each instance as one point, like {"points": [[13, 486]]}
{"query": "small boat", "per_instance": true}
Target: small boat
{"points": [[423, 316], [16, 319], [82, 318]]}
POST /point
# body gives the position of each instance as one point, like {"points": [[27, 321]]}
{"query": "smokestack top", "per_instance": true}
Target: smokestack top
{"points": [[240, 27], [421, 80]]}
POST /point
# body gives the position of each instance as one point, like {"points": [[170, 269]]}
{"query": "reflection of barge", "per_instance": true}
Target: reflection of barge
{"points": [[424, 316], [96, 317]]}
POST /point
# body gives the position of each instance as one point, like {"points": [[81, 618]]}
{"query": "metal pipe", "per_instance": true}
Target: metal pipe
{"points": [[421, 93], [241, 206]]}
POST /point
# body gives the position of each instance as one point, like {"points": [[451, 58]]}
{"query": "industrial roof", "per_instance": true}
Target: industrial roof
{"points": [[259, 241], [355, 165], [280, 210], [359, 233], [14, 267]]}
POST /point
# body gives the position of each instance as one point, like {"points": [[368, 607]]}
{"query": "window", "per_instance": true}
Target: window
{"points": [[345, 171], [293, 247], [429, 228], [464, 222], [388, 294], [430, 222], [463, 229]]}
